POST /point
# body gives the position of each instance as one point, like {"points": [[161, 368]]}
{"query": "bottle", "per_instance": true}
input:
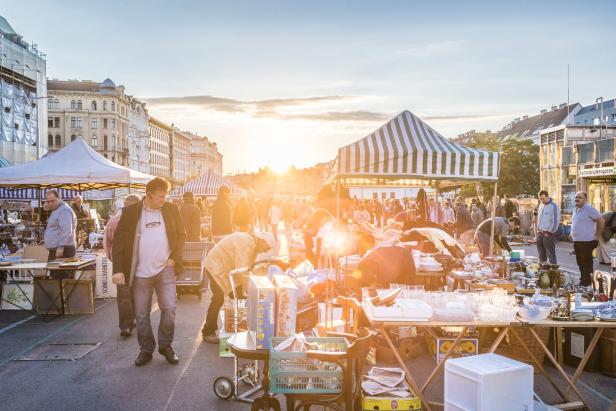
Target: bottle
{"points": [[578, 300]]}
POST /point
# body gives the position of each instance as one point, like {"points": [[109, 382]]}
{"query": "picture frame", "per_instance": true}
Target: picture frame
{"points": [[13, 297]]}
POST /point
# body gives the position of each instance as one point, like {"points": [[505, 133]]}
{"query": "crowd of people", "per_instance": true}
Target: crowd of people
{"points": [[145, 240]]}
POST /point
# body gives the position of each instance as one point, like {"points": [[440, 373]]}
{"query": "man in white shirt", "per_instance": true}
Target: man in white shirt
{"points": [[147, 255]]}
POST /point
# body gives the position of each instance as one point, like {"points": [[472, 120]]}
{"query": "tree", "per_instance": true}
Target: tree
{"points": [[519, 166]]}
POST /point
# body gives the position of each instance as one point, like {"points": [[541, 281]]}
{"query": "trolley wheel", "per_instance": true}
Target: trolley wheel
{"points": [[257, 404], [247, 375], [223, 388]]}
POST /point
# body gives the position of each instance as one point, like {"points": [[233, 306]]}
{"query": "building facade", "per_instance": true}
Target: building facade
{"points": [[96, 112], [138, 136], [23, 89], [579, 158], [531, 127], [160, 148], [602, 113], [180, 156], [204, 156]]}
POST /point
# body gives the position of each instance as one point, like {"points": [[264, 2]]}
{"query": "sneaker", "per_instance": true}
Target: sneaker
{"points": [[169, 354], [211, 339], [126, 333], [143, 358]]}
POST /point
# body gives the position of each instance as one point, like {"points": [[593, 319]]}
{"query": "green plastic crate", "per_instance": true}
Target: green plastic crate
{"points": [[294, 373]]}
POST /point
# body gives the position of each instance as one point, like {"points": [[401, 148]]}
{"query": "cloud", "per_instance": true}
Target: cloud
{"points": [[273, 108], [233, 106], [463, 117]]}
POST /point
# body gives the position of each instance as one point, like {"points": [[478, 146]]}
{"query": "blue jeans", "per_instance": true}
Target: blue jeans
{"points": [[164, 285], [546, 247]]}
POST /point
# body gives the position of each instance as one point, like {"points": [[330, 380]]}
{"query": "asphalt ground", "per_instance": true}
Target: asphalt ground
{"points": [[106, 379]]}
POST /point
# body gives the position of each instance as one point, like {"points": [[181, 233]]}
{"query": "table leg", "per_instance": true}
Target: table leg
{"points": [[540, 366], [559, 368], [558, 344], [587, 354], [409, 378], [440, 363], [75, 284], [499, 338]]}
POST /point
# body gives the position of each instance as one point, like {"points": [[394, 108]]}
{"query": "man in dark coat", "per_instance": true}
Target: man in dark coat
{"points": [[147, 255], [221, 215], [191, 214]]}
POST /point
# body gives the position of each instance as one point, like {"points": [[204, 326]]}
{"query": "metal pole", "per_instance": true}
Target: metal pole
{"points": [[493, 218]]}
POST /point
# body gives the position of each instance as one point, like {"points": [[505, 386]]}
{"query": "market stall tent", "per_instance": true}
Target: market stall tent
{"points": [[76, 166], [406, 151], [207, 185]]}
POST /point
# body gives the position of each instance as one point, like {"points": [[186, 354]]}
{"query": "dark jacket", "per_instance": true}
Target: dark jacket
{"points": [[191, 215], [124, 238], [221, 217]]}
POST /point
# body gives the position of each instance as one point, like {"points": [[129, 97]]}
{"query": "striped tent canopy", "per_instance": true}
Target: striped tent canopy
{"points": [[207, 185], [27, 194], [405, 151]]}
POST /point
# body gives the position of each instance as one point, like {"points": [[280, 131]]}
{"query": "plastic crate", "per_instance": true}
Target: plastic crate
{"points": [[295, 373]]}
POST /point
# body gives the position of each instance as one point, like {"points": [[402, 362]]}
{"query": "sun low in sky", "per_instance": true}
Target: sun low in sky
{"points": [[278, 83]]}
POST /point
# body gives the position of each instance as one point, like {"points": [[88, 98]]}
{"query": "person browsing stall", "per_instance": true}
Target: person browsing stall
{"points": [[60, 232], [548, 219], [147, 255], [191, 215], [237, 250], [501, 229], [586, 226], [124, 299]]}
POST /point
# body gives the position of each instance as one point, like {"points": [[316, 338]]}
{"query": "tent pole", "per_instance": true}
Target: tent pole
{"points": [[493, 218]]}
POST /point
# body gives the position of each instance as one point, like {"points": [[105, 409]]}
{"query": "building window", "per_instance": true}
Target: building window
{"points": [[73, 137], [50, 140], [93, 124], [76, 122], [104, 123], [113, 124], [104, 105], [50, 104], [56, 122], [94, 141], [58, 140], [73, 104], [93, 105], [113, 106], [105, 143], [79, 105], [56, 103], [49, 121]]}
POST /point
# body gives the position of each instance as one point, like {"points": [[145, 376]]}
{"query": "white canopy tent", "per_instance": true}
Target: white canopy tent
{"points": [[77, 167]]}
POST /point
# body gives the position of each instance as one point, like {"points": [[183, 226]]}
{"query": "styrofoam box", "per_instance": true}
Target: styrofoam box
{"points": [[488, 382]]}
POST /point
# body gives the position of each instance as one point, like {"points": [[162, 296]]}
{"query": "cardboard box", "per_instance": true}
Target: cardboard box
{"points": [[105, 288], [261, 303], [286, 306], [229, 312]]}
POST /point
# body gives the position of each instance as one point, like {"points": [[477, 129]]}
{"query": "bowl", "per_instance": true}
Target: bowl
{"points": [[534, 312], [507, 314]]}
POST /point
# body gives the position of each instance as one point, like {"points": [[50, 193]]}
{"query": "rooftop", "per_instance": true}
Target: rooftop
{"points": [[529, 126]]}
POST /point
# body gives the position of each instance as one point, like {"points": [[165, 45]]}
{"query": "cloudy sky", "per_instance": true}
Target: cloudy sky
{"points": [[280, 83]]}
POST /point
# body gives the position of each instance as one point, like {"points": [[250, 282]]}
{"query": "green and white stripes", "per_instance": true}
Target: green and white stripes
{"points": [[406, 147]]}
